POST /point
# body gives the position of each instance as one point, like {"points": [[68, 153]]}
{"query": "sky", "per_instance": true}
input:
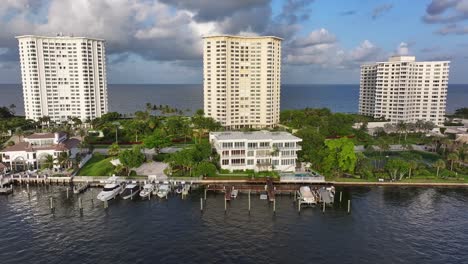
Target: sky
{"points": [[325, 41]]}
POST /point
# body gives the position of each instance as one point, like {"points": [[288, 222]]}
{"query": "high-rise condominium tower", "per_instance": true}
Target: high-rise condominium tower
{"points": [[63, 77], [403, 89], [241, 80]]}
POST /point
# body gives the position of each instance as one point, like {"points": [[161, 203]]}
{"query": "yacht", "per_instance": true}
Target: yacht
{"points": [[147, 190], [130, 190], [112, 188], [110, 191], [163, 190]]}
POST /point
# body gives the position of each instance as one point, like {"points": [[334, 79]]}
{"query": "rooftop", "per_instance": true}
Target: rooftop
{"points": [[246, 37], [256, 135], [26, 146], [59, 36], [44, 135]]}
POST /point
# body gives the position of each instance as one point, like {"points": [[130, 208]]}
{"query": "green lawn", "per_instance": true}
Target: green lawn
{"points": [[98, 165]]}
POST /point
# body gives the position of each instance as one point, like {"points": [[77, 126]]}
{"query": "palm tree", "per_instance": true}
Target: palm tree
{"points": [[452, 157], [63, 159], [48, 162], [400, 127], [439, 164], [412, 165], [19, 133]]}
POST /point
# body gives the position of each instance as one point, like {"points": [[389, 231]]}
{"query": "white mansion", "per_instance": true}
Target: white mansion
{"points": [[258, 151], [35, 148]]}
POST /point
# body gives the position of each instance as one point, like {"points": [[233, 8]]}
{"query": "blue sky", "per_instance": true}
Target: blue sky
{"points": [[325, 40]]}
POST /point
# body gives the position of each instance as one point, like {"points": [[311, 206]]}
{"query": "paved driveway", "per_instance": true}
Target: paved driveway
{"points": [[152, 168]]}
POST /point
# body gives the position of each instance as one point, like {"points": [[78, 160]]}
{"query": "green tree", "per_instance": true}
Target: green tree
{"points": [[452, 157], [131, 158], [63, 160], [397, 167], [340, 155], [439, 164], [114, 149], [205, 168], [156, 141], [47, 162], [412, 166]]}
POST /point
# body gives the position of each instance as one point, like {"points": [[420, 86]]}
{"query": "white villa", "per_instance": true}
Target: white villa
{"points": [[35, 148], [258, 151]]}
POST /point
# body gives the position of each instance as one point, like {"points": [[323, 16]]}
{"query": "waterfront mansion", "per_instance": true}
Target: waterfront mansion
{"points": [[258, 151], [33, 150]]}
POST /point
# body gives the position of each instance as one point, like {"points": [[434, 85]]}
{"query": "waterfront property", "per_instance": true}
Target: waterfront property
{"points": [[403, 89], [34, 150], [242, 78], [258, 151], [63, 76]]}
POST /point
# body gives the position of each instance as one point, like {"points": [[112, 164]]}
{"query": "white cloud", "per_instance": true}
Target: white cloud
{"points": [[402, 49]]}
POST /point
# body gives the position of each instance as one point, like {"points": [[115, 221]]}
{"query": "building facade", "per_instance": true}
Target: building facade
{"points": [[63, 77], [241, 80], [258, 151], [403, 89], [34, 149]]}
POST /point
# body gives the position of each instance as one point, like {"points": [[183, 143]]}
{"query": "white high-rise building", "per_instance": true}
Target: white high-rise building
{"points": [[403, 89], [63, 77], [241, 80]]}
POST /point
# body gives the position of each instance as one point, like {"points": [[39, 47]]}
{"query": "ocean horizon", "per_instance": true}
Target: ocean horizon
{"points": [[129, 98]]}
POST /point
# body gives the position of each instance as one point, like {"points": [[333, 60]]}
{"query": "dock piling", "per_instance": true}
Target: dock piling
{"points": [[349, 206], [205, 193], [249, 201], [274, 206], [80, 204], [131, 194], [323, 210], [67, 192], [341, 196], [299, 206], [52, 204], [225, 205], [201, 204]]}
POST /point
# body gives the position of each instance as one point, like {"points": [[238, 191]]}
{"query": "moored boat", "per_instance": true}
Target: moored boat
{"points": [[147, 190], [163, 191], [112, 188], [129, 191], [6, 186], [77, 189], [306, 195]]}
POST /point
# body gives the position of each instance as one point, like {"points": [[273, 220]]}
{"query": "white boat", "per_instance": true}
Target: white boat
{"points": [[77, 189], [234, 193], [307, 196], [6, 186], [110, 191], [129, 191], [147, 190], [112, 188], [163, 191], [186, 189]]}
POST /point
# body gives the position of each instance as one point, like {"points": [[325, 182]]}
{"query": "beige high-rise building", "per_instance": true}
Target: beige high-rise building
{"points": [[241, 80], [63, 77], [403, 89]]}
